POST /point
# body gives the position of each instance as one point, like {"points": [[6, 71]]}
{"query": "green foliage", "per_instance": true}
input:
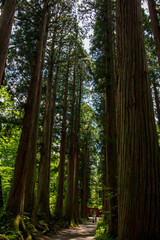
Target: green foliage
{"points": [[7, 228], [101, 232]]}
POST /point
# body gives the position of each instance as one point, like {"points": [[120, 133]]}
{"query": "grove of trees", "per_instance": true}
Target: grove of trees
{"points": [[79, 127]]}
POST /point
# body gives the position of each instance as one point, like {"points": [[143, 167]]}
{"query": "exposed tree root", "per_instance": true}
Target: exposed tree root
{"points": [[20, 227]]}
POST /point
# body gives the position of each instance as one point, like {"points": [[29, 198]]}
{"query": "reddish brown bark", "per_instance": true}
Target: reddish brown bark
{"points": [[15, 202], [110, 112], [70, 172], [76, 160], [84, 184], [29, 204], [59, 201], [6, 21], [139, 177], [44, 166]]}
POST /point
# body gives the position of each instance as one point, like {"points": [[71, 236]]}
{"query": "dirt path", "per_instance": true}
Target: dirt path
{"points": [[84, 231]]}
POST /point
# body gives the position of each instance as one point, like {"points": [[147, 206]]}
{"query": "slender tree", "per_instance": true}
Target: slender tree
{"points": [[76, 157], [59, 201], [70, 172], [138, 178], [110, 111], [44, 167], [84, 183]]}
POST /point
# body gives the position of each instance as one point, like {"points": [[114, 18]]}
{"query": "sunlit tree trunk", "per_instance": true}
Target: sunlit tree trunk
{"points": [[70, 172], [110, 111], [6, 20], [15, 202], [59, 201], [139, 176], [155, 25]]}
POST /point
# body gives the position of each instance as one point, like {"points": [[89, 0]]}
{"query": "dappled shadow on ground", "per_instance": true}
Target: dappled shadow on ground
{"points": [[84, 231]]}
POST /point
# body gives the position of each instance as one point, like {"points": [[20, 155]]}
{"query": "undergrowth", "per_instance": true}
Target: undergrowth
{"points": [[101, 232]]}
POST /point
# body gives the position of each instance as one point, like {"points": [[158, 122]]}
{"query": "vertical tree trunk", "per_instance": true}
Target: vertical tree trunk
{"points": [[15, 202], [6, 21], [110, 110], [59, 201], [76, 161], [29, 204], [139, 177], [70, 176], [44, 167], [84, 184], [155, 26]]}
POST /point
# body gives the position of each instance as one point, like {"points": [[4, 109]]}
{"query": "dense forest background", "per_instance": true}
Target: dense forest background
{"points": [[79, 127]]}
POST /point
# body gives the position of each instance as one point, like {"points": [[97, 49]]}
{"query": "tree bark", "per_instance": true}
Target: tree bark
{"points": [[139, 177], [29, 204], [15, 202], [155, 26], [59, 201], [70, 172], [76, 160], [84, 184], [6, 21], [110, 111], [44, 167]]}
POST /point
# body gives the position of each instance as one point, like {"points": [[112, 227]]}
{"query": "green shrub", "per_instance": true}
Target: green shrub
{"points": [[101, 231]]}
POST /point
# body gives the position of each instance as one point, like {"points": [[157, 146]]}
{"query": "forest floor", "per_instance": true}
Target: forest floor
{"points": [[85, 231]]}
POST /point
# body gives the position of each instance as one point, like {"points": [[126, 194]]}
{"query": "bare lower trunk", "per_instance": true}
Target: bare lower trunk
{"points": [[70, 175], [139, 177], [6, 21], [44, 167], [110, 110], [84, 185], [59, 202], [76, 161]]}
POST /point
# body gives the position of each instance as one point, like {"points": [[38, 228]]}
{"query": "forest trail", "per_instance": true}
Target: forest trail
{"points": [[85, 231]]}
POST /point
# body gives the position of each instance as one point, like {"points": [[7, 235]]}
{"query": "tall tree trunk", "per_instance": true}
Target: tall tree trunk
{"points": [[84, 184], [29, 203], [59, 201], [44, 167], [139, 177], [6, 21], [110, 111], [76, 161], [155, 26], [15, 202], [70, 175]]}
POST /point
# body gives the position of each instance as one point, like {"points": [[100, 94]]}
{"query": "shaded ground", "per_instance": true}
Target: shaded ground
{"points": [[85, 231]]}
